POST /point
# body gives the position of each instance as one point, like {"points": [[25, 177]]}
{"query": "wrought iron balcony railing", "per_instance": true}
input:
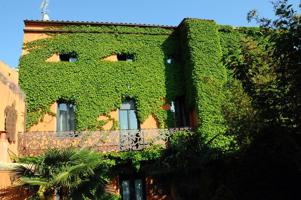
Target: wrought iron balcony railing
{"points": [[34, 143]]}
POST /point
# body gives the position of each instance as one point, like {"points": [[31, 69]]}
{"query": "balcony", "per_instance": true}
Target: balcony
{"points": [[35, 143]]}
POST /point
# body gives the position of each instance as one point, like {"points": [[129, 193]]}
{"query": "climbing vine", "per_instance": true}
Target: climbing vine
{"points": [[97, 86], [205, 60], [207, 77]]}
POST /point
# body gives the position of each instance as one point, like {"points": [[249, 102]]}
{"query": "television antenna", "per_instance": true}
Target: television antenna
{"points": [[44, 10]]}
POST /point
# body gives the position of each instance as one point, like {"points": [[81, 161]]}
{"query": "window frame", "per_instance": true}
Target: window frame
{"points": [[132, 179], [129, 111], [70, 121]]}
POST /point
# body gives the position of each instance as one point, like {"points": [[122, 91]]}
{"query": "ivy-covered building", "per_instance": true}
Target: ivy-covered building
{"points": [[113, 86]]}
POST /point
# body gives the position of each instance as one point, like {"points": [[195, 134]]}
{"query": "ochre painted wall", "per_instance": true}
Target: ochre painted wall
{"points": [[112, 58], [12, 115], [48, 122], [5, 179], [31, 35], [12, 110], [53, 58]]}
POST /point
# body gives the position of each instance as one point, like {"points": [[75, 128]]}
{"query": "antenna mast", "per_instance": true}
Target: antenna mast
{"points": [[44, 10]]}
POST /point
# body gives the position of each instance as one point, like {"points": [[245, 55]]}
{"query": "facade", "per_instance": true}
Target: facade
{"points": [[12, 113], [138, 102], [121, 87]]}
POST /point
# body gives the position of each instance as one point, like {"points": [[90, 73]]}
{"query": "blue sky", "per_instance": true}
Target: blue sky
{"points": [[162, 12]]}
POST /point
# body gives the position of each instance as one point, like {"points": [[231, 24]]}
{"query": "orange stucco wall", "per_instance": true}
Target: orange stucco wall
{"points": [[12, 115], [112, 58], [29, 37], [47, 122], [5, 179], [110, 118], [32, 36], [12, 110], [53, 58], [149, 123]]}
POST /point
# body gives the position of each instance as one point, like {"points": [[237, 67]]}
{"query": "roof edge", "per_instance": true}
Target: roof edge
{"points": [[62, 23]]}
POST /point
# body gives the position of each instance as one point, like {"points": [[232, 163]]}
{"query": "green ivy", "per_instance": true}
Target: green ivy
{"points": [[206, 56], [96, 86], [207, 76]]}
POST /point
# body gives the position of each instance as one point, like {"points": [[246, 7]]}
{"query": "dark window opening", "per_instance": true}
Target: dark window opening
{"points": [[125, 57], [68, 57], [180, 112], [65, 116]]}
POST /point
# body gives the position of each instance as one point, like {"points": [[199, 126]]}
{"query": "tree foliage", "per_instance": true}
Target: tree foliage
{"points": [[73, 173], [284, 36]]}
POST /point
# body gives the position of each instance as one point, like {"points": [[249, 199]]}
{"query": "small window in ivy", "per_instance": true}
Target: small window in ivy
{"points": [[68, 57], [65, 116], [169, 60], [125, 57]]}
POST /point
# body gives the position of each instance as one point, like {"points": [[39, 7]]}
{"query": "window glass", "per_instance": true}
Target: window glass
{"points": [[123, 119], [132, 189], [62, 126], [172, 106], [65, 117], [125, 187], [72, 59], [127, 116], [138, 189], [132, 120], [169, 60]]}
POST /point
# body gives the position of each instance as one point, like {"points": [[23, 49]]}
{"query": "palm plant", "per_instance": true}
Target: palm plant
{"points": [[72, 173]]}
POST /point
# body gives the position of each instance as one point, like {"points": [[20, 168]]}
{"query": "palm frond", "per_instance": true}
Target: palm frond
{"points": [[34, 181]]}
